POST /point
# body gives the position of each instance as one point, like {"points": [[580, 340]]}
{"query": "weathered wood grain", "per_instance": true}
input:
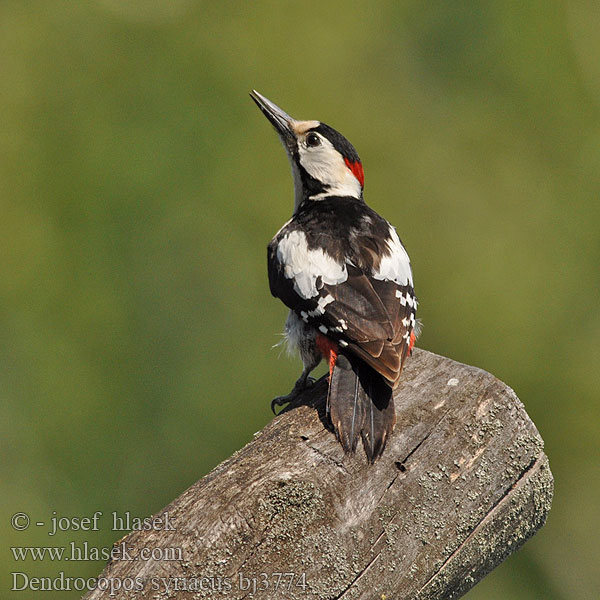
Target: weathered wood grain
{"points": [[462, 484]]}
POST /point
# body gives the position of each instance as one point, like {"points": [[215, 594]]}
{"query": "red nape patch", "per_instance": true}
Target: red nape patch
{"points": [[329, 350], [357, 170], [413, 339]]}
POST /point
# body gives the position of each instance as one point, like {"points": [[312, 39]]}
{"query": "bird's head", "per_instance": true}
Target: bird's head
{"points": [[324, 163]]}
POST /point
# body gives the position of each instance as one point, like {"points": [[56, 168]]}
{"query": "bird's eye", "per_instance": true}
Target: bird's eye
{"points": [[312, 140]]}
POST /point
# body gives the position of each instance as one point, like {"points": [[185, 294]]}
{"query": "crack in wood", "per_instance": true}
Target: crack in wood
{"points": [[329, 459], [360, 575]]}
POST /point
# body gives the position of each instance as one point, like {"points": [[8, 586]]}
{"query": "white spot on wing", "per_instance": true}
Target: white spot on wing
{"points": [[395, 266], [304, 266], [324, 301], [322, 329]]}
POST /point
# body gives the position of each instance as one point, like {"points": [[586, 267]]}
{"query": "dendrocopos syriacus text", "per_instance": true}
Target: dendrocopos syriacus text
{"points": [[346, 278]]}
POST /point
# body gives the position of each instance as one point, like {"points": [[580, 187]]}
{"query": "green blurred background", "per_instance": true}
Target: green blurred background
{"points": [[139, 186]]}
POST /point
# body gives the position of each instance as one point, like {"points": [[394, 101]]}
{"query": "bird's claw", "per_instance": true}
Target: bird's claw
{"points": [[279, 401], [299, 387]]}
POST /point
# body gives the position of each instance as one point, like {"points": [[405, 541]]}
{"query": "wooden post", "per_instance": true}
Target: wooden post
{"points": [[462, 484]]}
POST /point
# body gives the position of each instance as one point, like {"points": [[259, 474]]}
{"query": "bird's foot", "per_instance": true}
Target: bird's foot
{"points": [[300, 386]]}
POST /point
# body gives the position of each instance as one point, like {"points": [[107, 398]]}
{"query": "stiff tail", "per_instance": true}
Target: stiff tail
{"points": [[360, 404]]}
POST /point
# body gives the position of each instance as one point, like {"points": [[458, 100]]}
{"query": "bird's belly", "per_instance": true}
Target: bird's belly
{"points": [[301, 337]]}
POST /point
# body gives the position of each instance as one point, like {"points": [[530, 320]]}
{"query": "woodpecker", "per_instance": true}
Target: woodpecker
{"points": [[346, 277]]}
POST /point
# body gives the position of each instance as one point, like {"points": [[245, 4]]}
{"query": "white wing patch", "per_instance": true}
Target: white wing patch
{"points": [[396, 266], [303, 266]]}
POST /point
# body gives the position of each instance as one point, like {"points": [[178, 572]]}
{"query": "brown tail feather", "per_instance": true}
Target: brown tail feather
{"points": [[388, 363], [360, 405]]}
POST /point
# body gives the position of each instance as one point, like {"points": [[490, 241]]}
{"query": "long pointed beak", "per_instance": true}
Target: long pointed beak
{"points": [[278, 118]]}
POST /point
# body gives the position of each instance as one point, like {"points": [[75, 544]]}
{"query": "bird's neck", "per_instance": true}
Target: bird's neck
{"points": [[307, 188]]}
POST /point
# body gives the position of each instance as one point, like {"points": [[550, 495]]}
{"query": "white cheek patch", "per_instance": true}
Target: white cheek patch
{"points": [[327, 165], [304, 266], [396, 266]]}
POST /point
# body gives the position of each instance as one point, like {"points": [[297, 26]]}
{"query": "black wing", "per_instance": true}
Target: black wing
{"points": [[373, 318]]}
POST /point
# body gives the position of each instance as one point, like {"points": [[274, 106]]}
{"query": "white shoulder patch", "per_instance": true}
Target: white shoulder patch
{"points": [[396, 266], [303, 266]]}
